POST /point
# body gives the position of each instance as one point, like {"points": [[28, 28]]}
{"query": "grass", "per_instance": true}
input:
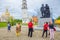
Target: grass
{"points": [[3, 24]]}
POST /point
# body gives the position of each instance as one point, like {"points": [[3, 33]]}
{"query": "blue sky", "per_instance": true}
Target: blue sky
{"points": [[14, 7]]}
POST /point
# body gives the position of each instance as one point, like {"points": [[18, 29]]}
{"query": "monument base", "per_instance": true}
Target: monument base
{"points": [[41, 21]]}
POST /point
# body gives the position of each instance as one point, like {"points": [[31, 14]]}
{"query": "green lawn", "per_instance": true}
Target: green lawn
{"points": [[3, 24]]}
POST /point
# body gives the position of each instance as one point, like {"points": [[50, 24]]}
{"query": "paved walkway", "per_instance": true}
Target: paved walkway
{"points": [[5, 35]]}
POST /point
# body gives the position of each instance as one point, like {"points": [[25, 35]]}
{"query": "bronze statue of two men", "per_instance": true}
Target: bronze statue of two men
{"points": [[45, 11]]}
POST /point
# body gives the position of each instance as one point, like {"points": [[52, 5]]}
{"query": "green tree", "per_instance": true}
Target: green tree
{"points": [[11, 20], [18, 20], [58, 18]]}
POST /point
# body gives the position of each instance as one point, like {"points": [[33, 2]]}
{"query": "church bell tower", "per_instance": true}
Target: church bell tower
{"points": [[25, 17]]}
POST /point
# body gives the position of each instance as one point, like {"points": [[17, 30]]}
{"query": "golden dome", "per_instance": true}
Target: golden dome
{"points": [[7, 13]]}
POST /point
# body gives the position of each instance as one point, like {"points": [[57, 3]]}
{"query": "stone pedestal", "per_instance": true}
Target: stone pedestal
{"points": [[42, 20], [41, 23]]}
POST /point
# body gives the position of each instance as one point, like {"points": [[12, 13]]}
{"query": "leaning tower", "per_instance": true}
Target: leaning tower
{"points": [[25, 16]]}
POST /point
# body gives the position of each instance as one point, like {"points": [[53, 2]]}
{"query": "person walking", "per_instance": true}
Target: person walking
{"points": [[30, 29], [18, 29], [9, 26], [51, 26], [45, 29]]}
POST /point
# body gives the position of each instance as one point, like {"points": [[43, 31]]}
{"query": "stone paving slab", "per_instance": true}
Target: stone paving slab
{"points": [[5, 35]]}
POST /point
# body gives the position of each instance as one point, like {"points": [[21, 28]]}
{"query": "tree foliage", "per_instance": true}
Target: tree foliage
{"points": [[58, 18]]}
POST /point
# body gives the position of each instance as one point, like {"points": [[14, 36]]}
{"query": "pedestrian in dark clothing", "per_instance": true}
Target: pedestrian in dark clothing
{"points": [[45, 29], [30, 27], [51, 26], [9, 26]]}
